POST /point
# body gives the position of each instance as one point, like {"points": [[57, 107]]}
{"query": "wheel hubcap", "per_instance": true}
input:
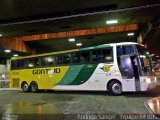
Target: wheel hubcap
{"points": [[33, 88], [25, 87], [116, 88]]}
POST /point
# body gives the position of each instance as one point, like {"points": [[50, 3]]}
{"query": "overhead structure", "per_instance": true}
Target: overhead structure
{"points": [[45, 26]]}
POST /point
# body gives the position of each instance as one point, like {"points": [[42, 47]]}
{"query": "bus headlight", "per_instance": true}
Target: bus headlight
{"points": [[147, 80], [155, 79]]}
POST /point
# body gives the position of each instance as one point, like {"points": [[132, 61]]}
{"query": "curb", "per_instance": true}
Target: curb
{"points": [[8, 89]]}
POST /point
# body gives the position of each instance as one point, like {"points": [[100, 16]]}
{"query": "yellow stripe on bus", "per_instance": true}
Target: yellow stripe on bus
{"points": [[46, 78]]}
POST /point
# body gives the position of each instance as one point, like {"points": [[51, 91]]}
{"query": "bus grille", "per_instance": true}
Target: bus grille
{"points": [[15, 82]]}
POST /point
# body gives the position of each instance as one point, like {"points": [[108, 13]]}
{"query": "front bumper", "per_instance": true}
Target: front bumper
{"points": [[148, 86]]}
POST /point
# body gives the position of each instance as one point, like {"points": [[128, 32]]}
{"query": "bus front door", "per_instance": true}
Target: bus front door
{"points": [[129, 72]]}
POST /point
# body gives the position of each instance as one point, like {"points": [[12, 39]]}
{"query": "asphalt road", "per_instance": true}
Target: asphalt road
{"points": [[74, 104]]}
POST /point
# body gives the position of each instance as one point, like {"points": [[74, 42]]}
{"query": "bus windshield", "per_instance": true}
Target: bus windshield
{"points": [[145, 60]]}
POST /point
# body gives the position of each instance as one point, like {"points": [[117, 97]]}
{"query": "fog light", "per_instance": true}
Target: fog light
{"points": [[147, 80], [155, 79]]}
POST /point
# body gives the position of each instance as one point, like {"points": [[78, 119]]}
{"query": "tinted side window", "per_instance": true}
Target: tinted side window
{"points": [[107, 54], [44, 61], [84, 57], [96, 55], [66, 58], [33, 62], [47, 61], [76, 57], [129, 50], [13, 64], [24, 63], [19, 64], [59, 59], [125, 50]]}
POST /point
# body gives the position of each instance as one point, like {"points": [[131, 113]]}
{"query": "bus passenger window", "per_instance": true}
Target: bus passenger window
{"points": [[19, 64], [125, 50], [24, 63], [33, 62], [66, 58], [119, 51], [47, 61], [96, 55], [59, 59], [50, 60], [85, 57], [44, 61], [107, 55], [13, 64], [76, 57], [129, 50]]}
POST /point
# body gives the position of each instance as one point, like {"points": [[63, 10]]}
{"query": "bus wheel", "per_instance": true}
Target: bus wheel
{"points": [[25, 87], [115, 88], [34, 87]]}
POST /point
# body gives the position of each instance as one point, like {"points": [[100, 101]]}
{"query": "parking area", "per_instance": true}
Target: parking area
{"points": [[71, 105], [75, 105]]}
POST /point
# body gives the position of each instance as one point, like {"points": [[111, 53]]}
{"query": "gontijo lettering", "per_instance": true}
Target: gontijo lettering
{"points": [[46, 71]]}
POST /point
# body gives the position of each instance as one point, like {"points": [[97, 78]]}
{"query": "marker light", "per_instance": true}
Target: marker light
{"points": [[112, 22]]}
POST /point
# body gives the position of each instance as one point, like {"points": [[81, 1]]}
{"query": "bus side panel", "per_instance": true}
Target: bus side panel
{"points": [[97, 81], [92, 77]]}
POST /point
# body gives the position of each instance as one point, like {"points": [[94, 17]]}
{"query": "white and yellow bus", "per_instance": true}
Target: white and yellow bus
{"points": [[117, 67]]}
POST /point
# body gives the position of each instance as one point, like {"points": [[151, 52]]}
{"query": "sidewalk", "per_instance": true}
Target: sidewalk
{"points": [[8, 89], [4, 86]]}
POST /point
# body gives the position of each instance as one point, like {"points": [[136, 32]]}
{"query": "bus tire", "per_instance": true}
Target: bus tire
{"points": [[115, 88], [34, 87], [25, 87]]}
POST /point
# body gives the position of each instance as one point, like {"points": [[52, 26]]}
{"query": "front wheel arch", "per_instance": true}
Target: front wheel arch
{"points": [[110, 85]]}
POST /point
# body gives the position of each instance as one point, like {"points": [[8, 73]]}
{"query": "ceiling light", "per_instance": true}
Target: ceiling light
{"points": [[79, 44], [7, 51], [130, 34], [71, 39], [15, 55], [0, 35], [111, 22]]}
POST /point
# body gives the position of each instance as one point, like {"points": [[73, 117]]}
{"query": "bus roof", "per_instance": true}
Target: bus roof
{"points": [[74, 50]]}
